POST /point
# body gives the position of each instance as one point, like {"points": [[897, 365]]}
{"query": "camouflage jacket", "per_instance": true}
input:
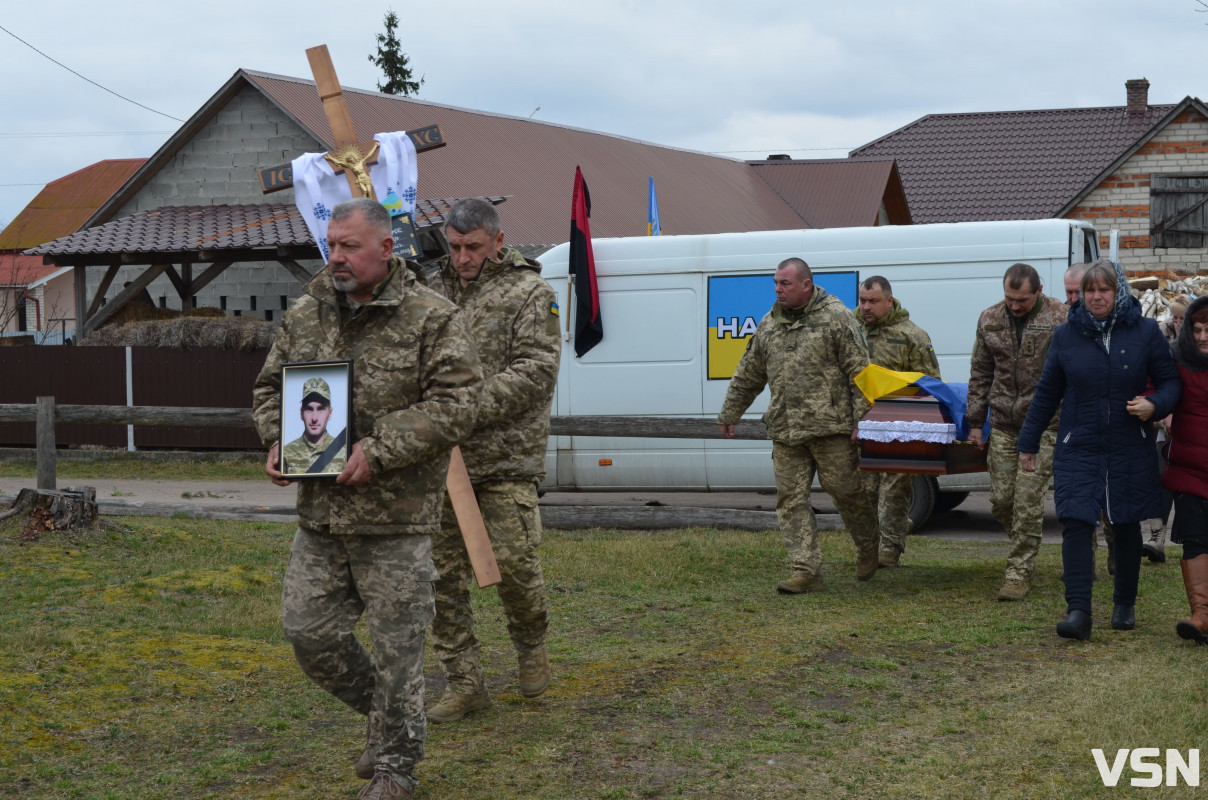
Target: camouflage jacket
{"points": [[1002, 373], [512, 317], [298, 455], [896, 343], [415, 384], [809, 363]]}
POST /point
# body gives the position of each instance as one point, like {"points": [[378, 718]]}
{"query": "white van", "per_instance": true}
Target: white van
{"points": [[677, 311]]}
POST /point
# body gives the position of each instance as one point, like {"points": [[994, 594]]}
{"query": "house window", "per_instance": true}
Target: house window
{"points": [[1178, 209]]}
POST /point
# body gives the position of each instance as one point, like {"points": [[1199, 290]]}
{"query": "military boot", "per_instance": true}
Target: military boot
{"points": [[800, 584], [534, 671], [889, 557], [453, 706], [1014, 589], [867, 564], [1155, 544]]}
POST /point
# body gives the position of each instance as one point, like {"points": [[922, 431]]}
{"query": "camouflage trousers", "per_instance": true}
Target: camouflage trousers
{"points": [[892, 491], [835, 459], [330, 582], [509, 510], [1017, 498]]}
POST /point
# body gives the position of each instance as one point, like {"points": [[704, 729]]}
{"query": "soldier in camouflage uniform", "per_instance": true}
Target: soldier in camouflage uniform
{"points": [[301, 455], [894, 342], [1008, 357], [807, 350], [364, 540], [512, 317]]}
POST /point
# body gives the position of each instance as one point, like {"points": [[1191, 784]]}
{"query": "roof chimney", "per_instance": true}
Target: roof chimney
{"points": [[1138, 95]]}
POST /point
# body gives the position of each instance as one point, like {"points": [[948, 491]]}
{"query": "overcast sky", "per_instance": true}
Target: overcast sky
{"points": [[809, 78]]}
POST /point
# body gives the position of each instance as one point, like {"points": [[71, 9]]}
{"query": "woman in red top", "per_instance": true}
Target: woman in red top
{"points": [[1187, 475]]}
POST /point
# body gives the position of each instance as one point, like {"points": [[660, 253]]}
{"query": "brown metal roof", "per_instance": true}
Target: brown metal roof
{"points": [[534, 162], [206, 233], [65, 204], [837, 193], [1011, 164]]}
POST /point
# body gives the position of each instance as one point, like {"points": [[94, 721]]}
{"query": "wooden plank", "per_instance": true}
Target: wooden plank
{"points": [[469, 519], [295, 269], [668, 517], [204, 279], [46, 443], [331, 95], [101, 290], [139, 283], [653, 427]]}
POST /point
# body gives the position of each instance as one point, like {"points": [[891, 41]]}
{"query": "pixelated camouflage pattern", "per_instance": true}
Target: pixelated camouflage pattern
{"points": [[415, 382], [1017, 498], [896, 343], [1002, 374], [892, 491], [510, 512], [836, 461], [331, 580], [808, 361], [298, 455], [511, 315]]}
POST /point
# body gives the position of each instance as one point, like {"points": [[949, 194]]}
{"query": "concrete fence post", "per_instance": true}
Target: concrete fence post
{"points": [[45, 436]]}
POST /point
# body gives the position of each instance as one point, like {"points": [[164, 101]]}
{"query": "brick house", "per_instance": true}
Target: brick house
{"points": [[1138, 168]]}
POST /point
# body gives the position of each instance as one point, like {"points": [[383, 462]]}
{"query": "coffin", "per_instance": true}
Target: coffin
{"points": [[921, 437]]}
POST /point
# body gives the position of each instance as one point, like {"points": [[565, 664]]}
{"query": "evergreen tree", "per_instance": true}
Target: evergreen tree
{"points": [[393, 62]]}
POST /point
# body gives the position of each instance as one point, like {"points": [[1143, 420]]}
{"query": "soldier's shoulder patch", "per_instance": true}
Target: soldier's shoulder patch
{"points": [[553, 308], [551, 319]]}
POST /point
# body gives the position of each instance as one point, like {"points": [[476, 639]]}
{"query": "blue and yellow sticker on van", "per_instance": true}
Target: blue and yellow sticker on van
{"points": [[738, 302]]}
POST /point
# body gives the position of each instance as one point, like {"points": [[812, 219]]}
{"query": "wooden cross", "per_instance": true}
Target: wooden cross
{"points": [[274, 179], [356, 158]]}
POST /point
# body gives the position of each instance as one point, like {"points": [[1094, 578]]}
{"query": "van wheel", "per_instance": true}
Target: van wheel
{"points": [[923, 490], [946, 501]]}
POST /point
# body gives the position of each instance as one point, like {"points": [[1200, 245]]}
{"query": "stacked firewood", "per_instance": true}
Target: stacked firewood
{"points": [[1155, 293]]}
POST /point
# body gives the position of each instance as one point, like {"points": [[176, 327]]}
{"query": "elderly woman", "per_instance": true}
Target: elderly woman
{"points": [[1187, 475], [1097, 368]]}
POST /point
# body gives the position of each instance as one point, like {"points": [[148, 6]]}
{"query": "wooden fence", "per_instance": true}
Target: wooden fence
{"points": [[46, 414]]}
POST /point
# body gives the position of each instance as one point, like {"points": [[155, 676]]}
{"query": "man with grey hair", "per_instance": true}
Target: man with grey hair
{"points": [[513, 319], [1073, 277], [364, 539]]}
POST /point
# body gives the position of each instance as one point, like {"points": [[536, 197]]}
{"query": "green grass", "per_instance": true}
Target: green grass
{"points": [[148, 662], [242, 467]]}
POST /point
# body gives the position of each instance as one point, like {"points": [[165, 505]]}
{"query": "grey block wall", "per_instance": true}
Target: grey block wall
{"points": [[218, 167]]}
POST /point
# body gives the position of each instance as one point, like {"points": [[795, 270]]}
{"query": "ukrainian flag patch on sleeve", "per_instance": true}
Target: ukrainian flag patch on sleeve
{"points": [[553, 308]]}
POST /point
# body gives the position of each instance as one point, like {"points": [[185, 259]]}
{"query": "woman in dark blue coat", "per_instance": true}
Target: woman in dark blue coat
{"points": [[1097, 370]]}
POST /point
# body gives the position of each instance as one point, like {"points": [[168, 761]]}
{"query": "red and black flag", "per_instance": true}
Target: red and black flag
{"points": [[589, 329]]}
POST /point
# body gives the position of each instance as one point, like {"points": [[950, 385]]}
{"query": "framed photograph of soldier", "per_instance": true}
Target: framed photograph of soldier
{"points": [[316, 413]]}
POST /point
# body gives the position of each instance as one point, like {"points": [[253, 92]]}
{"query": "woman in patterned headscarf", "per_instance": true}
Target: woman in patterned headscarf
{"points": [[1098, 367]]}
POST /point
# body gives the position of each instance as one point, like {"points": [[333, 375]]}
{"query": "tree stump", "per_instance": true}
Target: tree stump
{"points": [[54, 510]]}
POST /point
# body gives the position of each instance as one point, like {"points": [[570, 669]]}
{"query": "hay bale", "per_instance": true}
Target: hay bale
{"points": [[188, 332]]}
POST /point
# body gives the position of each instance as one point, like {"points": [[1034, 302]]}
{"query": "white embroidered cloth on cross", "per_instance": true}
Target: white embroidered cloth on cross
{"points": [[318, 189]]}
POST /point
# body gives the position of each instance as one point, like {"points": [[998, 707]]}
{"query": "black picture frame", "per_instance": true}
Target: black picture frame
{"points": [[303, 385]]}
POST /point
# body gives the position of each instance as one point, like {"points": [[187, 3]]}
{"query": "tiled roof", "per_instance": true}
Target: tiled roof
{"points": [[533, 162], [169, 231], [65, 204], [22, 270], [1008, 164], [837, 193]]}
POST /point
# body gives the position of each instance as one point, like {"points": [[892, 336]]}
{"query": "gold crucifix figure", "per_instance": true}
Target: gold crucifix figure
{"points": [[349, 158]]}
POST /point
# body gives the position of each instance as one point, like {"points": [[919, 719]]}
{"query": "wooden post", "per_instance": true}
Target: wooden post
{"points": [[45, 437]]}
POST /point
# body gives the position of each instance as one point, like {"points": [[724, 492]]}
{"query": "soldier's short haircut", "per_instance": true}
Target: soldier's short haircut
{"points": [[803, 269], [1102, 271], [471, 214], [1017, 274], [1076, 271], [370, 210], [878, 282]]}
